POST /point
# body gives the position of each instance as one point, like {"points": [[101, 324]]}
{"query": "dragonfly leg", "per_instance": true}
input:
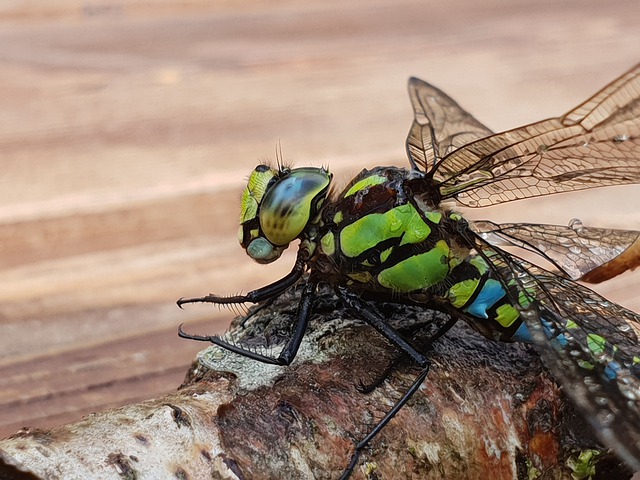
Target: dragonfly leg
{"points": [[303, 315], [368, 388], [265, 293], [387, 418], [352, 301], [267, 303], [381, 325], [289, 351]]}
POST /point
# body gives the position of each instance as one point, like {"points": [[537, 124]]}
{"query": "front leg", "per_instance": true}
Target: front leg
{"points": [[264, 293], [289, 351]]}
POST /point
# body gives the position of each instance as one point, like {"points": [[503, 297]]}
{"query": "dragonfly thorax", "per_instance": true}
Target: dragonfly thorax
{"points": [[278, 206]]}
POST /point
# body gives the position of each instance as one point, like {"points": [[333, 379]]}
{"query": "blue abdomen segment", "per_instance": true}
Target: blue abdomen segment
{"points": [[524, 335], [595, 343], [487, 303], [485, 299], [491, 292]]}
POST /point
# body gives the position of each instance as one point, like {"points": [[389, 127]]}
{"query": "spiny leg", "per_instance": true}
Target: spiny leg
{"points": [[303, 315], [368, 388], [264, 293], [288, 352], [387, 418], [352, 301], [256, 310], [380, 324]]}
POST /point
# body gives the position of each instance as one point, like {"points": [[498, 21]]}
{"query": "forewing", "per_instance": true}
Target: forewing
{"points": [[583, 253], [440, 126], [589, 343], [596, 144]]}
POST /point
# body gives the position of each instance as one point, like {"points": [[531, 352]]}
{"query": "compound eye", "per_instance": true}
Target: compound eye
{"points": [[288, 205], [256, 187]]}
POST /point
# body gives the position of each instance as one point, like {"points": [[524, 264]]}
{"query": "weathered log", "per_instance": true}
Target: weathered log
{"points": [[486, 410]]}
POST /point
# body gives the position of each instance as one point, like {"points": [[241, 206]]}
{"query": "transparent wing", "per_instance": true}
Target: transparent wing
{"points": [[596, 144], [440, 126], [589, 343], [583, 253]]}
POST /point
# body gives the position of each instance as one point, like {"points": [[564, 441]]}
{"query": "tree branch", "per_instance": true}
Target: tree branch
{"points": [[485, 409]]}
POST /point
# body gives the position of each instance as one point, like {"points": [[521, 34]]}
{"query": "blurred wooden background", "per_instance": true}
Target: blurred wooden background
{"points": [[127, 130]]}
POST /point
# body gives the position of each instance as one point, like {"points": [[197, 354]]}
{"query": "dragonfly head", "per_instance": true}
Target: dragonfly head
{"points": [[278, 206]]}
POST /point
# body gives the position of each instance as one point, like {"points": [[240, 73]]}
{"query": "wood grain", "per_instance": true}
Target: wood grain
{"points": [[126, 134]]}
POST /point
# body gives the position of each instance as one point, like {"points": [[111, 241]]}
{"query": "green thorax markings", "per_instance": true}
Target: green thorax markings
{"points": [[367, 232], [419, 271], [366, 182], [384, 241], [328, 244]]}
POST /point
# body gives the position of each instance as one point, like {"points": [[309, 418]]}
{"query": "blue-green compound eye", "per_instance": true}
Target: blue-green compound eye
{"points": [[286, 208]]}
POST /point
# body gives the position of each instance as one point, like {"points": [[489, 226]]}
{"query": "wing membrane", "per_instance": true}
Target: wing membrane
{"points": [[596, 144], [589, 344], [583, 253], [440, 126]]}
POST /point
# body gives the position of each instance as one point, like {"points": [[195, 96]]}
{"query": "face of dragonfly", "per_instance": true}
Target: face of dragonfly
{"points": [[277, 208]]}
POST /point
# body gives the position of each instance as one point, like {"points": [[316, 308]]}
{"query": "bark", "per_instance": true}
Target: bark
{"points": [[486, 410]]}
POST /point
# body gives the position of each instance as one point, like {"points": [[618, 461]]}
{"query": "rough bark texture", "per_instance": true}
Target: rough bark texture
{"points": [[485, 410]]}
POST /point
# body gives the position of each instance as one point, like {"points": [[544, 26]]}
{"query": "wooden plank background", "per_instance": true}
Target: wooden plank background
{"points": [[128, 128]]}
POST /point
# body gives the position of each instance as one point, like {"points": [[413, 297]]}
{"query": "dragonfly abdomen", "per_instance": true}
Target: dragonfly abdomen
{"points": [[483, 301]]}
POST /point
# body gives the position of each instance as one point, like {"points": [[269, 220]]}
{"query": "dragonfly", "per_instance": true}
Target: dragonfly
{"points": [[396, 235]]}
